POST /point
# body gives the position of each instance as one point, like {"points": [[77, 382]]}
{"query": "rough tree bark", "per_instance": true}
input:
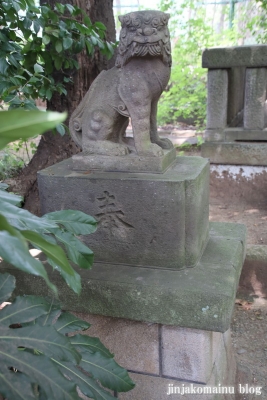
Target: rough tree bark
{"points": [[52, 147]]}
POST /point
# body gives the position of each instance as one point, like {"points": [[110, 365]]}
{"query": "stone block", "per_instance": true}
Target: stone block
{"points": [[127, 163], [242, 56], [241, 134], [255, 96], [135, 344], [235, 153], [153, 220], [214, 135], [217, 99], [199, 298], [189, 354]]}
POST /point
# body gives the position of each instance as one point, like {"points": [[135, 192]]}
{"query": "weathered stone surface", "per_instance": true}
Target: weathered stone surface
{"points": [[235, 153], [241, 56], [153, 220], [217, 98], [232, 134], [198, 298], [131, 163], [214, 135], [222, 378], [131, 89], [135, 344], [255, 96], [189, 354]]}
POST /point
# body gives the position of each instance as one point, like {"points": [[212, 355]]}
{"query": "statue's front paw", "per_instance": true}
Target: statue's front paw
{"points": [[165, 143], [153, 150]]}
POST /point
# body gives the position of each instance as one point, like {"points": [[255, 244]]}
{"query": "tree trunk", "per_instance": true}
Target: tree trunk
{"points": [[52, 147]]}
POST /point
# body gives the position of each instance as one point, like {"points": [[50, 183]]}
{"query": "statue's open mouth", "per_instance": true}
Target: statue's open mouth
{"points": [[153, 49]]}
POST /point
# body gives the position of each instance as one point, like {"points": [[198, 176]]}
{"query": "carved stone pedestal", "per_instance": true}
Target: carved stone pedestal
{"points": [[167, 324], [145, 219]]}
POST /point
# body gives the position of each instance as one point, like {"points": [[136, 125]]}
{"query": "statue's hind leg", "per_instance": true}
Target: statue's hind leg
{"points": [[99, 136]]}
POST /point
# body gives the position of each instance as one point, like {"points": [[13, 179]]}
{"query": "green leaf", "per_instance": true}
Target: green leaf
{"points": [[18, 124], [38, 68], [11, 198], [48, 94], [58, 46], [90, 344], [23, 219], [36, 25], [70, 8], [3, 66], [68, 323], [107, 371], [15, 386], [24, 309], [13, 251], [45, 339], [52, 251], [60, 129], [58, 63], [40, 369], [3, 186], [74, 221], [100, 26], [46, 39], [67, 42], [77, 251], [86, 384], [73, 281], [7, 285]]}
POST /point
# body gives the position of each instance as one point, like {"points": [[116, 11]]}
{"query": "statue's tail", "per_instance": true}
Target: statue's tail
{"points": [[75, 124]]}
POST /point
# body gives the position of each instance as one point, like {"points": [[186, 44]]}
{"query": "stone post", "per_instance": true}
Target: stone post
{"points": [[217, 101], [255, 96]]}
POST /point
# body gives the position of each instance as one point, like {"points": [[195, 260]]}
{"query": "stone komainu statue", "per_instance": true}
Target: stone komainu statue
{"points": [[130, 89]]}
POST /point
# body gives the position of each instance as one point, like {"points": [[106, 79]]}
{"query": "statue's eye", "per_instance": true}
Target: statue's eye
{"points": [[132, 29]]}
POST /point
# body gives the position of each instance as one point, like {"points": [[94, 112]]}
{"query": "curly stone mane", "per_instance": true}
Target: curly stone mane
{"points": [[144, 33]]}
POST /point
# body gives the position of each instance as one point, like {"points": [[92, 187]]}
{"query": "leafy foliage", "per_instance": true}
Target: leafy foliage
{"points": [[27, 32], [258, 23], [19, 229], [40, 361], [186, 94]]}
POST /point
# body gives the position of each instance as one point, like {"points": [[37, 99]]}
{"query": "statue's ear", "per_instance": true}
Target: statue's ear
{"points": [[121, 18], [168, 16]]}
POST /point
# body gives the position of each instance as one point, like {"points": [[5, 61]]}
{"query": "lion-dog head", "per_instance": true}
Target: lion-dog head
{"points": [[144, 33]]}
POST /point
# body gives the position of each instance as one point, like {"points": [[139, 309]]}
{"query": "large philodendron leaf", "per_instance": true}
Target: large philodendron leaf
{"points": [[91, 344], [107, 371], [10, 198], [74, 221], [13, 250], [42, 338], [15, 386], [69, 323], [87, 385], [39, 369], [99, 362], [7, 285], [24, 309], [19, 124]]}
